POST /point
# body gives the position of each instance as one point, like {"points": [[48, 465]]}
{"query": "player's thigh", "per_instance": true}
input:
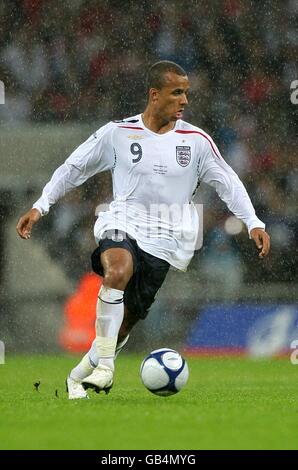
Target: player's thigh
{"points": [[117, 265]]}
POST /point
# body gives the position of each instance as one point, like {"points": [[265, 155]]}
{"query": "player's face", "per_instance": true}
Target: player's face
{"points": [[171, 99]]}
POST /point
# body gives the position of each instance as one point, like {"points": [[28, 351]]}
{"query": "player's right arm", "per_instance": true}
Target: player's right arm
{"points": [[91, 157]]}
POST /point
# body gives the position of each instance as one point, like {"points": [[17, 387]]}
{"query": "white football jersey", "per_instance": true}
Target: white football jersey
{"points": [[154, 179]]}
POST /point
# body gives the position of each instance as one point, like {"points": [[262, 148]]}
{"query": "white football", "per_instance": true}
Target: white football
{"points": [[164, 372]]}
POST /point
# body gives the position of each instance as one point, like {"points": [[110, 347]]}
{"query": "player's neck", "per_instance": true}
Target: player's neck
{"points": [[155, 123]]}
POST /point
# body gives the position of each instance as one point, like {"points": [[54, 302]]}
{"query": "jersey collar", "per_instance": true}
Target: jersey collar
{"points": [[155, 133]]}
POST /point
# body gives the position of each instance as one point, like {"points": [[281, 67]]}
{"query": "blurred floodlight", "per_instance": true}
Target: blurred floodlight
{"points": [[233, 226]]}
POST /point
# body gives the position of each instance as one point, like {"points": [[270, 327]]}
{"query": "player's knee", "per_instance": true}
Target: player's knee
{"points": [[117, 278]]}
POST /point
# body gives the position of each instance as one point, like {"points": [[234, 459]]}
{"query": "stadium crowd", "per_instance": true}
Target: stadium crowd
{"points": [[86, 61]]}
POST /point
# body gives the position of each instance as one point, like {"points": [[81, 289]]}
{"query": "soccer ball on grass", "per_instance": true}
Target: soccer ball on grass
{"points": [[164, 372]]}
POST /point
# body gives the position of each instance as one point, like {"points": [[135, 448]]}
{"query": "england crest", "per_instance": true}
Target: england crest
{"points": [[183, 154]]}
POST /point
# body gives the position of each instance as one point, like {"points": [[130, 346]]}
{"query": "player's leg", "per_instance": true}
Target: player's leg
{"points": [[128, 323], [91, 359], [118, 269], [139, 296]]}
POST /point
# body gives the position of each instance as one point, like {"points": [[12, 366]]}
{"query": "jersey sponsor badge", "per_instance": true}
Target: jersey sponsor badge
{"points": [[183, 154]]}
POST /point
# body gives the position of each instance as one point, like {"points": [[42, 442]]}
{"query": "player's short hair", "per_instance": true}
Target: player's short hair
{"points": [[157, 71]]}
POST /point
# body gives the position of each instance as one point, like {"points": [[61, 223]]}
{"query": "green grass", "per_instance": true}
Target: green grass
{"points": [[227, 404]]}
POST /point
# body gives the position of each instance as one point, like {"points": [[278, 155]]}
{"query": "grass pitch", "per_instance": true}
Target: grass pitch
{"points": [[227, 404]]}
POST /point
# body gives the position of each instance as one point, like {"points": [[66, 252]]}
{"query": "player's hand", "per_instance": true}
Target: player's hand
{"points": [[26, 223], [262, 240]]}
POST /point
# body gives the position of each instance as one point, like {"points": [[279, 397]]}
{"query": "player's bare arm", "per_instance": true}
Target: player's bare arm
{"points": [[262, 240], [26, 222]]}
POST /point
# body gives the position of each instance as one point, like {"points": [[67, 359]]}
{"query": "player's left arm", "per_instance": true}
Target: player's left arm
{"points": [[214, 171]]}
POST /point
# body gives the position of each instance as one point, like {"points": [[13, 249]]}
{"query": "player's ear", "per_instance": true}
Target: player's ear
{"points": [[153, 94]]}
